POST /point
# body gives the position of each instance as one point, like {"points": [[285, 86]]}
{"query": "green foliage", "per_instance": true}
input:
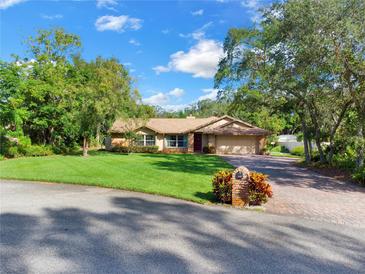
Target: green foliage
{"points": [[13, 152], [209, 149], [222, 186], [37, 150], [296, 72], [299, 151], [359, 176], [56, 98]]}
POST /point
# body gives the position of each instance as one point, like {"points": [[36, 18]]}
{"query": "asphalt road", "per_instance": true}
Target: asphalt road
{"points": [[57, 228]]}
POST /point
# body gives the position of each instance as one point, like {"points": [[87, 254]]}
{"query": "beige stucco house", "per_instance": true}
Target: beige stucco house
{"points": [[187, 135]]}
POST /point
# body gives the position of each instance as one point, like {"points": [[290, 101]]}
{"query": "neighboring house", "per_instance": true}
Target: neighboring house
{"points": [[290, 142], [187, 135]]}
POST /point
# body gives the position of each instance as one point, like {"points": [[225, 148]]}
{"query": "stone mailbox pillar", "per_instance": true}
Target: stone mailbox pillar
{"points": [[240, 187]]}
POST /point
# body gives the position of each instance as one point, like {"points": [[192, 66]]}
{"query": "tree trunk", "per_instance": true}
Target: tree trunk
{"points": [[361, 150], [98, 136], [317, 139], [310, 147], [305, 139], [317, 133], [334, 129], [85, 147]]}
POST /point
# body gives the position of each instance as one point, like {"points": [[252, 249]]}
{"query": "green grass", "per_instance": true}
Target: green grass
{"points": [[283, 154], [183, 176]]}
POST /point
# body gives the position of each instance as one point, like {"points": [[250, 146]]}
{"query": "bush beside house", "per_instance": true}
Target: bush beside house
{"points": [[135, 149], [209, 149]]}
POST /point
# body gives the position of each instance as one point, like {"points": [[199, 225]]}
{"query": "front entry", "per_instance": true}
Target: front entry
{"points": [[197, 142]]}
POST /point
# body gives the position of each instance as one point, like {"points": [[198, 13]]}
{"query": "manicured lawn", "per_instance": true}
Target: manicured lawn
{"points": [[182, 176]]}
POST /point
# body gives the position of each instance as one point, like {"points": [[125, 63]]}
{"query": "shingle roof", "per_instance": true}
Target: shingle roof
{"points": [[185, 125], [237, 131], [163, 125]]}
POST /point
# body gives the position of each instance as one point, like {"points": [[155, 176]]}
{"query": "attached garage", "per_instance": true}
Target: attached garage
{"points": [[228, 144], [235, 137]]}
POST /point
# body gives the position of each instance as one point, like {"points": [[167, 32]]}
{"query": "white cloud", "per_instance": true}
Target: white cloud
{"points": [[157, 99], [210, 93], [251, 4], [134, 42], [222, 1], [117, 23], [165, 31], [252, 7], [198, 33], [201, 60], [197, 12], [4, 4], [177, 92], [177, 107], [164, 99], [160, 69], [52, 17], [109, 4]]}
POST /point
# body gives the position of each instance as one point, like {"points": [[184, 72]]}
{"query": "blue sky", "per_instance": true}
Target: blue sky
{"points": [[171, 48]]}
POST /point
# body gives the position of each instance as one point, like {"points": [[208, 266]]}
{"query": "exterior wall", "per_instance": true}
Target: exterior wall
{"points": [[211, 140], [117, 140], [236, 144], [191, 142], [204, 140], [160, 142], [261, 144]]}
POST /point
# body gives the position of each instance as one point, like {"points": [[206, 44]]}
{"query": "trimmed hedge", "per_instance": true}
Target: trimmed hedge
{"points": [[35, 150], [135, 149], [299, 151]]}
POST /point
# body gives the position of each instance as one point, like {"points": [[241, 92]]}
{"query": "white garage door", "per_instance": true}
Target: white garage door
{"points": [[236, 144]]}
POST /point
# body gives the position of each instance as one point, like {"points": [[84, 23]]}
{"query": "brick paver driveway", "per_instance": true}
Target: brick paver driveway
{"points": [[301, 192]]}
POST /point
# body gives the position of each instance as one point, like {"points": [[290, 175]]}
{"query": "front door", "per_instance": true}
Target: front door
{"points": [[197, 142]]}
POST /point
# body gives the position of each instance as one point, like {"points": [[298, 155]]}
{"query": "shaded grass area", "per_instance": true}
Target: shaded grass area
{"points": [[183, 176], [284, 154]]}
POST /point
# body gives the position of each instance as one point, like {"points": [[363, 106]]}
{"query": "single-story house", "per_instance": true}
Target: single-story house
{"points": [[226, 134]]}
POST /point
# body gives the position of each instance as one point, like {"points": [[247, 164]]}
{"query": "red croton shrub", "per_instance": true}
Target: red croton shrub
{"points": [[259, 189], [222, 186]]}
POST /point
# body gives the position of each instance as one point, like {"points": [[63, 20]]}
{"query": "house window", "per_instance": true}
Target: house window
{"points": [[145, 140], [149, 140], [140, 140], [176, 141]]}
